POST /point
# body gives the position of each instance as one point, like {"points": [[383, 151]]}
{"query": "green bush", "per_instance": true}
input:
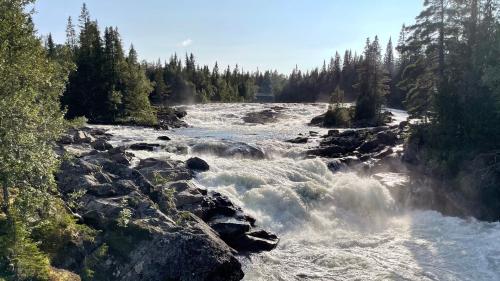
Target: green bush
{"points": [[20, 257], [337, 116]]}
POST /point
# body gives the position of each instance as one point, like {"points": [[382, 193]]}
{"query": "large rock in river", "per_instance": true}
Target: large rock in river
{"points": [[197, 164], [142, 242], [229, 149]]}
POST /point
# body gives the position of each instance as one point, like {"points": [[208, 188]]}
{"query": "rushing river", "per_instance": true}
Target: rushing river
{"points": [[332, 226]]}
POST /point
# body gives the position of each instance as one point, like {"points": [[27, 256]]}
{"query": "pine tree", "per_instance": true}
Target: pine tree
{"points": [[389, 58], [113, 74], [395, 98], [51, 47], [71, 40], [136, 105], [160, 91], [86, 93], [337, 71], [372, 85]]}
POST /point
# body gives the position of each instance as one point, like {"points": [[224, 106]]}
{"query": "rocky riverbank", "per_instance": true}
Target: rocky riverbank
{"points": [[470, 192], [150, 219], [387, 149]]}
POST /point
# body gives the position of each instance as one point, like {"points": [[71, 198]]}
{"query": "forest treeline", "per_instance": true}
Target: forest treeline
{"points": [[109, 85]]}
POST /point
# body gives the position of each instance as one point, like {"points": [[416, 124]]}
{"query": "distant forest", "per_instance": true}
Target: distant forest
{"points": [[107, 85]]}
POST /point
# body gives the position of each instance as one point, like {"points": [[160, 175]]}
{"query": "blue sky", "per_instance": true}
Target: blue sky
{"points": [[264, 34]]}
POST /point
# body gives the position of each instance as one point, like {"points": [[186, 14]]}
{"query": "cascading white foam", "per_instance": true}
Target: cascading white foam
{"points": [[332, 226]]}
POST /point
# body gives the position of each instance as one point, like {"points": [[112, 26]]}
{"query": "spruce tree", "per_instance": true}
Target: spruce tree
{"points": [[71, 40], [160, 89], [51, 47], [372, 85], [136, 105]]}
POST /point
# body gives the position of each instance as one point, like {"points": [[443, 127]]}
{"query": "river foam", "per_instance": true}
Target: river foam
{"points": [[332, 226]]}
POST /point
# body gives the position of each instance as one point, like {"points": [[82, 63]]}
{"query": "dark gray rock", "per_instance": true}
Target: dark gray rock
{"points": [[335, 165], [145, 146], [197, 164], [164, 138], [255, 241], [120, 155], [146, 244], [263, 117], [229, 149], [101, 145], [317, 120], [66, 139], [170, 118], [370, 146], [333, 151], [299, 140], [229, 227], [387, 137], [163, 170], [122, 158]]}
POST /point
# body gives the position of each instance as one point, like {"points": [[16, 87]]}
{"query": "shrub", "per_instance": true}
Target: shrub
{"points": [[337, 117]]}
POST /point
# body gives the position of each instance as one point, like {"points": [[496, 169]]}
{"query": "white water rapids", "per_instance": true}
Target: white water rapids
{"points": [[332, 226]]}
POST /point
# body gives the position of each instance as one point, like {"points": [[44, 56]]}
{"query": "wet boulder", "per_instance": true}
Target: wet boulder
{"points": [[349, 140], [335, 165], [317, 120], [263, 117], [229, 149], [101, 145], [254, 241], [370, 146], [145, 146], [164, 138], [299, 140], [332, 151], [170, 118], [197, 164], [229, 227]]}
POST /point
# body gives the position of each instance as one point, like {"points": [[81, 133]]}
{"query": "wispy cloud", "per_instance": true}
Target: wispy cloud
{"points": [[186, 43]]}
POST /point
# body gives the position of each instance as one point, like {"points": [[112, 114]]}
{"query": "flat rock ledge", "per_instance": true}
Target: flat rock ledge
{"points": [[154, 222]]}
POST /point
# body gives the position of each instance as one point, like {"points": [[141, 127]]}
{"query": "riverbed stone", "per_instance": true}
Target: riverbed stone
{"points": [[299, 140], [101, 145], [197, 164], [145, 146]]}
